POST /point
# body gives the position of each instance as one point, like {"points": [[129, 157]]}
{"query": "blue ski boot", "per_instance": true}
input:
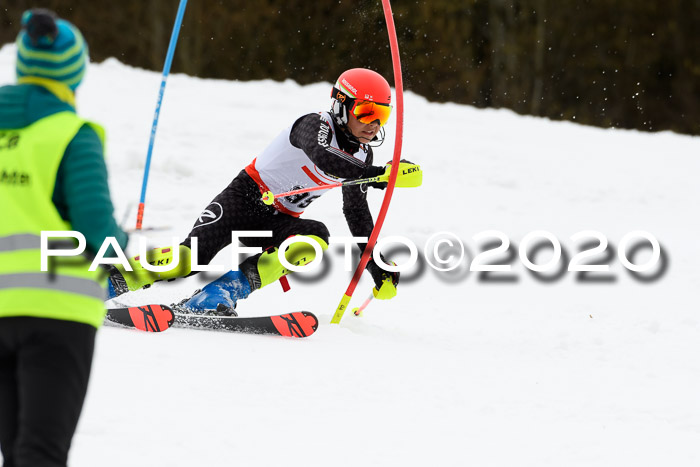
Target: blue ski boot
{"points": [[220, 296]]}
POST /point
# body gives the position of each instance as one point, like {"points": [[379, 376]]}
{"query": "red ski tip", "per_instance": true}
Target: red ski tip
{"points": [[152, 318], [297, 324]]}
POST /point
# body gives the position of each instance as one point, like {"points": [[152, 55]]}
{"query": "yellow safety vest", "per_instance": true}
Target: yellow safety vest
{"points": [[29, 161]]}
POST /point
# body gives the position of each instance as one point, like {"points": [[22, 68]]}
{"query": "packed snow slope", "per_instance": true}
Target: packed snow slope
{"points": [[555, 368]]}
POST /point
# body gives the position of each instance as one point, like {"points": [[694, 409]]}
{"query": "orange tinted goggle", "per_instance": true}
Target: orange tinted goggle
{"points": [[368, 112]]}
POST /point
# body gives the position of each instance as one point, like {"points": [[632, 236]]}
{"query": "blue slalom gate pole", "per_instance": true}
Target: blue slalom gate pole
{"points": [[166, 72]]}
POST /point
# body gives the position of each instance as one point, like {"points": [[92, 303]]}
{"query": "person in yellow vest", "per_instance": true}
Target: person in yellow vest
{"points": [[52, 178]]}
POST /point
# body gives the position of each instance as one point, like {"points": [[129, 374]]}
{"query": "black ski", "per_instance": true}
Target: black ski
{"points": [[296, 324], [150, 318], [156, 318]]}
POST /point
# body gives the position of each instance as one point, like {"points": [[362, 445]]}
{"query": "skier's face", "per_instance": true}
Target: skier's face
{"points": [[364, 132]]}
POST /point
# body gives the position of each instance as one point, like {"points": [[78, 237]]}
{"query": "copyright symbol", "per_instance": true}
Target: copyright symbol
{"points": [[441, 248]]}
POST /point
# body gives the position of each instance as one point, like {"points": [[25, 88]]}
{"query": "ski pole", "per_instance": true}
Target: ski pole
{"points": [[166, 72], [269, 198], [409, 176], [358, 311]]}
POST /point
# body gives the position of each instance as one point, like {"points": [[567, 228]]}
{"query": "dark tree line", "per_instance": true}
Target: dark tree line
{"points": [[620, 63]]}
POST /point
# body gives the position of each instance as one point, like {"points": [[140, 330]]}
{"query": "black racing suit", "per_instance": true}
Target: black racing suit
{"points": [[239, 206]]}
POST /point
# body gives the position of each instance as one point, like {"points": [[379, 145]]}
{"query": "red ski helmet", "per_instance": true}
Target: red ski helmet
{"points": [[363, 92]]}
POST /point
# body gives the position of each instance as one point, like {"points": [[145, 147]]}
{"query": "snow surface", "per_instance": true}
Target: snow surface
{"points": [[454, 371]]}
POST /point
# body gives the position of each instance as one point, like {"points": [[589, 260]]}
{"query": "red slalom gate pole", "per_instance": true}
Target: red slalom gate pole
{"points": [[398, 82]]}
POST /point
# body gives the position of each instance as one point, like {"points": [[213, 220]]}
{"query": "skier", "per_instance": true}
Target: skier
{"points": [[317, 149], [52, 178]]}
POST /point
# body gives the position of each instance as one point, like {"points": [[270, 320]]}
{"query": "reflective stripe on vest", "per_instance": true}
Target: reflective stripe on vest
{"points": [[42, 280], [20, 242]]}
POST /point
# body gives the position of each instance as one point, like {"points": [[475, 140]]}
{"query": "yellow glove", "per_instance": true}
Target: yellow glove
{"points": [[409, 176]]}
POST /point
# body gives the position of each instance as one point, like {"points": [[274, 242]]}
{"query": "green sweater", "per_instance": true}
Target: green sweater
{"points": [[81, 194]]}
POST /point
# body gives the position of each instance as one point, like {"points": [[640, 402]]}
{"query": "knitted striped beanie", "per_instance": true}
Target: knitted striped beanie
{"points": [[50, 48]]}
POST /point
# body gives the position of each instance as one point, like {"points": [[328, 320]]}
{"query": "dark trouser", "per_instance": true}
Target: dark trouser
{"points": [[44, 372], [239, 207]]}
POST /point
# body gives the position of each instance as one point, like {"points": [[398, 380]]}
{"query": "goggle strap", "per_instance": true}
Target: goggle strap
{"points": [[339, 95]]}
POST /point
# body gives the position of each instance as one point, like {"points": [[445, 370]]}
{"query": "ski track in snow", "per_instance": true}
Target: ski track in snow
{"points": [[454, 371]]}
